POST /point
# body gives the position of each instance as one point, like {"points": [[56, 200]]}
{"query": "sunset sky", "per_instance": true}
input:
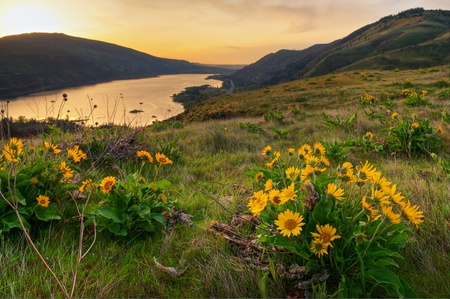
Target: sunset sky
{"points": [[204, 31]]}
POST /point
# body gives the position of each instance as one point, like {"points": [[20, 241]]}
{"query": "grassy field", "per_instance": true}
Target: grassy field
{"points": [[209, 183]]}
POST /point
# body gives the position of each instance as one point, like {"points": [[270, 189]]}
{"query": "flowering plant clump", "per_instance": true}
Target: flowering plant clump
{"points": [[368, 100], [349, 221], [414, 99]]}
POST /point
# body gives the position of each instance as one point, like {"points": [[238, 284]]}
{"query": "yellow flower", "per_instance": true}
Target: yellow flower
{"points": [[163, 198], [162, 159], [66, 171], [366, 172], [257, 203], [345, 169], [360, 238], [76, 154], [292, 173], [382, 197], [326, 234], [266, 151], [441, 131], [318, 148], [396, 197], [373, 213], [332, 189], [324, 161], [393, 217], [88, 185], [414, 125], [276, 198], [394, 115], [369, 135], [34, 180], [289, 223], [318, 247], [52, 147], [43, 200], [288, 193], [268, 185], [291, 151], [304, 151], [307, 173], [277, 155], [13, 150], [312, 160], [145, 154], [414, 215], [259, 176], [380, 183], [107, 184]]}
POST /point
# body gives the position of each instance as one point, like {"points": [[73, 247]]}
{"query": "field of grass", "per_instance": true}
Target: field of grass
{"points": [[222, 141]]}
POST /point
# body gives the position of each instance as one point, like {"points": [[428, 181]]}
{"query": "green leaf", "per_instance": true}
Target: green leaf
{"points": [[160, 218], [163, 184], [387, 279], [49, 213], [321, 212], [116, 229], [382, 252], [110, 213], [68, 187], [144, 212]]}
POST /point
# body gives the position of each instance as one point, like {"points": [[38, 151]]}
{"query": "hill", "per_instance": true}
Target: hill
{"points": [[415, 38], [45, 61]]}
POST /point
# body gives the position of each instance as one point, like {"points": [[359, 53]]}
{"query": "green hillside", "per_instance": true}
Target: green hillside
{"points": [[412, 39], [45, 61]]}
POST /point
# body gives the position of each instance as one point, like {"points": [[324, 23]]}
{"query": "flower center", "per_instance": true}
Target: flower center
{"points": [[326, 237], [318, 246], [276, 200], [290, 224]]}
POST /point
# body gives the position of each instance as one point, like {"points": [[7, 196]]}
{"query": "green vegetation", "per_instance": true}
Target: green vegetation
{"points": [[389, 228]]}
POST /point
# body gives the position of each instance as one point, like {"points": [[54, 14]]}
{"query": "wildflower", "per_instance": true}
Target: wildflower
{"points": [[258, 202], [307, 173], [393, 217], [43, 200], [266, 151], [163, 198], [274, 160], [394, 115], [259, 176], [52, 147], [326, 234], [292, 173], [162, 159], [268, 185], [318, 247], [369, 135], [380, 183], [373, 213], [414, 215], [324, 161], [107, 184], [396, 197], [288, 193], [345, 169], [361, 238], [145, 154], [289, 223], [76, 154], [304, 151], [441, 131], [414, 125], [66, 171], [332, 189], [382, 197], [366, 172], [318, 148], [34, 180], [87, 185], [276, 198], [312, 160], [13, 150], [291, 151]]}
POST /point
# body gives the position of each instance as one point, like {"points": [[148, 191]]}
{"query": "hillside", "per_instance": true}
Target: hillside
{"points": [[45, 61], [412, 39]]}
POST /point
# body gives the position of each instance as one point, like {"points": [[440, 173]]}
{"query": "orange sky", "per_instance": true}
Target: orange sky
{"points": [[204, 31]]}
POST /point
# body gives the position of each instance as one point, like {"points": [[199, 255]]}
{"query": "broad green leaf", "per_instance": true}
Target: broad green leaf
{"points": [[382, 252], [68, 187], [116, 229], [145, 212], [49, 213], [110, 213], [163, 184], [160, 218], [386, 279], [322, 211]]}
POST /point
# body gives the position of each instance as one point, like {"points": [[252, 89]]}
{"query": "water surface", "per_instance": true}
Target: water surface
{"points": [[113, 101]]}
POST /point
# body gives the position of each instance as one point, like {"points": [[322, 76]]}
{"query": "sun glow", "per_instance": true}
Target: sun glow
{"points": [[28, 18]]}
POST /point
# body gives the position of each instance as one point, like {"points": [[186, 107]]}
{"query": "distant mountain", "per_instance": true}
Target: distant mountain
{"points": [[415, 38], [45, 61]]}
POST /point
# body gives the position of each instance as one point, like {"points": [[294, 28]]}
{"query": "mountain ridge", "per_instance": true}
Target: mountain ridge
{"points": [[411, 39], [35, 62]]}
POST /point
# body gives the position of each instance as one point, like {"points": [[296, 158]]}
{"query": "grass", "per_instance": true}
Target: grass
{"points": [[209, 183]]}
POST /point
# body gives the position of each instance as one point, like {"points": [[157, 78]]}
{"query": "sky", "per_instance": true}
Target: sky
{"points": [[203, 31]]}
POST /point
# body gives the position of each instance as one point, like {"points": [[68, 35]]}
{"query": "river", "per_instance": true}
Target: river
{"points": [[109, 102]]}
